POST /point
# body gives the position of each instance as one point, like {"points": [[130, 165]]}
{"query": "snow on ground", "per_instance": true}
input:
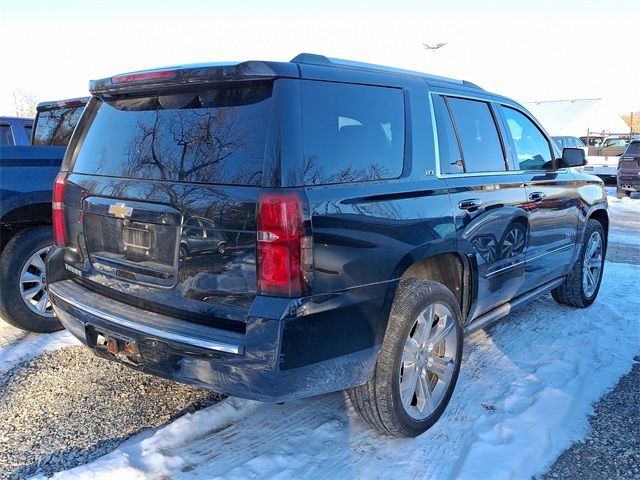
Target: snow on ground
{"points": [[17, 346], [625, 218], [523, 396]]}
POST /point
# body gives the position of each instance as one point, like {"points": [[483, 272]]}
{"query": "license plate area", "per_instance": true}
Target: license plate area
{"points": [[136, 237], [119, 346], [141, 249]]}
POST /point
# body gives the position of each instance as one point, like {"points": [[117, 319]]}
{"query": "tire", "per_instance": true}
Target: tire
{"points": [[183, 253], [621, 193], [580, 288], [379, 402], [22, 271], [222, 248]]}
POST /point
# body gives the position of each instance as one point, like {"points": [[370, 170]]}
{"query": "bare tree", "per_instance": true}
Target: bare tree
{"points": [[25, 104], [633, 120]]}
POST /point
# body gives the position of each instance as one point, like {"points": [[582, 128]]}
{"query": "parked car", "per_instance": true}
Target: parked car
{"points": [[26, 179], [200, 237], [374, 217], [628, 178], [15, 131]]}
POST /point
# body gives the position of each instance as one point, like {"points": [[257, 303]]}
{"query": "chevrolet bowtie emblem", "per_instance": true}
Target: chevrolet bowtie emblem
{"points": [[120, 210]]}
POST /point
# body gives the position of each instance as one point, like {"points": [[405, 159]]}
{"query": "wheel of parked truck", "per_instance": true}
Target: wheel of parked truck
{"points": [[222, 248], [581, 286], [418, 364], [24, 300], [621, 193]]}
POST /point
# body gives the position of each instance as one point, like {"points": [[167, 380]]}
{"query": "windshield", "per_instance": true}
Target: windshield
{"points": [[217, 135]]}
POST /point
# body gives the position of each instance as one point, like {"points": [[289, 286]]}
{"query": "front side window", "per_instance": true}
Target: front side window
{"points": [[351, 133], [532, 148], [27, 131], [6, 138], [481, 146]]}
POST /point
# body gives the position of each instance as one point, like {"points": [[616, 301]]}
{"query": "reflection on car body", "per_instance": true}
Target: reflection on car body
{"points": [[199, 236]]}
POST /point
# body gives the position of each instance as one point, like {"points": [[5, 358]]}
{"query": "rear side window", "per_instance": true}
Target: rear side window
{"points": [[532, 148], [351, 133], [54, 127], [6, 137], [214, 135], [481, 147]]}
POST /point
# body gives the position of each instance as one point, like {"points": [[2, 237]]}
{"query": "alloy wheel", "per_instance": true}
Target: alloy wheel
{"points": [[428, 361], [33, 284]]}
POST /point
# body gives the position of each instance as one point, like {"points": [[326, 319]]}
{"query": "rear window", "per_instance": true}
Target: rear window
{"points": [[633, 149], [351, 133], [54, 127], [214, 135]]}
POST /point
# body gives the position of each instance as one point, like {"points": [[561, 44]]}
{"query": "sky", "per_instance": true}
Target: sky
{"points": [[545, 50]]}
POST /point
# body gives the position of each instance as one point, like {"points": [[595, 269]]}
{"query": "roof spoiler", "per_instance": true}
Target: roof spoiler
{"points": [[200, 74]]}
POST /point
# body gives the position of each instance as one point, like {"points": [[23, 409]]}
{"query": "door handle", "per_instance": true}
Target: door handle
{"points": [[537, 196], [469, 203]]}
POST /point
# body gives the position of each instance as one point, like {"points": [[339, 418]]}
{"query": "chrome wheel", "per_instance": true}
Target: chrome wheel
{"points": [[33, 284], [428, 361], [592, 264]]}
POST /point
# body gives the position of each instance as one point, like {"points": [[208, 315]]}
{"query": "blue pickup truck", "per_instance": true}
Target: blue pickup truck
{"points": [[29, 162]]}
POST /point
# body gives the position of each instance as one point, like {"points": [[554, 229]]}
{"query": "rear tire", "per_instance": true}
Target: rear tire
{"points": [[418, 365], [581, 286], [22, 272], [621, 193]]}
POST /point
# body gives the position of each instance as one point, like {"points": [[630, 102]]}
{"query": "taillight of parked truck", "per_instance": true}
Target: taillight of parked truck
{"points": [[57, 210], [284, 248]]}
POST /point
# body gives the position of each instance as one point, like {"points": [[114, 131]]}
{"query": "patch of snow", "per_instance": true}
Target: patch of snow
{"points": [[18, 346], [524, 393]]}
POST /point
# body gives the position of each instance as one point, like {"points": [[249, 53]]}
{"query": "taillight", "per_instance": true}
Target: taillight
{"points": [[57, 210], [285, 253]]}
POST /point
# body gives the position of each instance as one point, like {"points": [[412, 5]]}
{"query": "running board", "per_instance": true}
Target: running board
{"points": [[503, 310]]}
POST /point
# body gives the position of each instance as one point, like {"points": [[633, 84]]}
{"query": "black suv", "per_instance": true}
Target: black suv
{"points": [[628, 175], [372, 217]]}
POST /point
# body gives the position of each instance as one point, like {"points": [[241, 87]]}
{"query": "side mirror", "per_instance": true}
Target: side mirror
{"points": [[573, 157]]}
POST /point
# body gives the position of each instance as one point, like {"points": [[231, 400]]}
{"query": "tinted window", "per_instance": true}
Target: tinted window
{"points": [[6, 138], [54, 127], [351, 133], [578, 142], [481, 147], [216, 135], [633, 149], [532, 148], [448, 148], [559, 143], [27, 131]]}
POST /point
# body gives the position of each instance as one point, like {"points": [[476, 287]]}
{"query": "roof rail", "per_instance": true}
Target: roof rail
{"points": [[315, 59]]}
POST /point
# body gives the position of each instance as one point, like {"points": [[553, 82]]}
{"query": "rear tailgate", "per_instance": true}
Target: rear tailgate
{"points": [[160, 202]]}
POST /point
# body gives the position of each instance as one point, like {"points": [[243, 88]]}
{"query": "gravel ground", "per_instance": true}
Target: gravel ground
{"points": [[623, 253], [69, 407], [611, 450]]}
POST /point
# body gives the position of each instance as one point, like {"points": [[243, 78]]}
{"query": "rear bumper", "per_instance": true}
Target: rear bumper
{"points": [[262, 364]]}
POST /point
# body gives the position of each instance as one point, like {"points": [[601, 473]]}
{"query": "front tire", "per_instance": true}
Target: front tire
{"points": [[580, 288], [24, 300], [418, 365]]}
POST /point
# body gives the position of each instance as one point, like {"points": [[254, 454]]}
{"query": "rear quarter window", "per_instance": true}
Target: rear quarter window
{"points": [[213, 135], [351, 133], [6, 137]]}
